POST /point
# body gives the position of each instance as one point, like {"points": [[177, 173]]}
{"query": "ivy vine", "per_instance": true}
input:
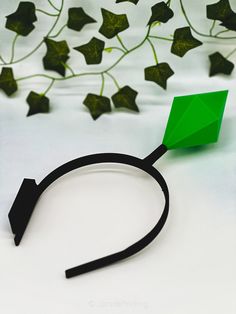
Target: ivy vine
{"points": [[22, 22]]}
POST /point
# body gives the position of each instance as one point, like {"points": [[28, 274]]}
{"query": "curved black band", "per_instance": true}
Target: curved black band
{"points": [[23, 206]]}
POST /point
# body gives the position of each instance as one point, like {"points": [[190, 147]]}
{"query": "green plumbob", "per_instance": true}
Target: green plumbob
{"points": [[195, 120]]}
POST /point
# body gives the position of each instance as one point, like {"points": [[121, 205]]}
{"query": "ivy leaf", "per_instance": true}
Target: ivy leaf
{"points": [[159, 74], [220, 65], [161, 12], [92, 51], [97, 105], [126, 98], [78, 19], [230, 22], [56, 56], [38, 103], [132, 1], [21, 21], [184, 41], [219, 11], [113, 24], [7, 82]]}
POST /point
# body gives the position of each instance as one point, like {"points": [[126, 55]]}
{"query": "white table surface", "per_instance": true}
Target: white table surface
{"points": [[190, 267]]}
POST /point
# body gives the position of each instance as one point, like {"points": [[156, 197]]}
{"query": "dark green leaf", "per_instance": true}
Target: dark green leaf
{"points": [[113, 24], [161, 12], [219, 11], [97, 105], [184, 41], [7, 82], [22, 20], [132, 1], [230, 22], [220, 65], [56, 56], [38, 103], [159, 74], [126, 98], [78, 19], [92, 51]]}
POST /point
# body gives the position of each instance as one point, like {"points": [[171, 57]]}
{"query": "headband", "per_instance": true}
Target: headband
{"points": [[194, 120]]}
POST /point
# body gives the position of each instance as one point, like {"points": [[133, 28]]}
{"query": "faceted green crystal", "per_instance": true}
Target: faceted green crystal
{"points": [[195, 120]]}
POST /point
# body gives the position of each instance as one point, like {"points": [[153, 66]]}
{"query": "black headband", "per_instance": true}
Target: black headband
{"points": [[30, 192], [194, 120]]}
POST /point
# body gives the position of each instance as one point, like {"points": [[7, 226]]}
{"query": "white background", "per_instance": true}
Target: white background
{"points": [[190, 268]]}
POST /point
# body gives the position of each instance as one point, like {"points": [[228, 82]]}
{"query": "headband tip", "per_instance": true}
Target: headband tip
{"points": [[22, 208]]}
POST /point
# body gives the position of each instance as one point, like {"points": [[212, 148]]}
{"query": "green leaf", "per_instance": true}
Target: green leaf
{"points": [[21, 21], [97, 105], [38, 103], [78, 19], [159, 74], [132, 1], [230, 22], [223, 12], [113, 24], [161, 12], [219, 11], [56, 56], [195, 120], [92, 51], [7, 82], [220, 65], [184, 41], [126, 98]]}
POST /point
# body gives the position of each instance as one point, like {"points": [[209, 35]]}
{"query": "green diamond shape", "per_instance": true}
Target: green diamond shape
{"points": [[195, 120]]}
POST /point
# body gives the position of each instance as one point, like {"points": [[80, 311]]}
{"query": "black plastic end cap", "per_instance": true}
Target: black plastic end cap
{"points": [[22, 208]]}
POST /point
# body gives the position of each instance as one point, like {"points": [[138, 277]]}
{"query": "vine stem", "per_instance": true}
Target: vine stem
{"points": [[3, 61], [221, 32], [49, 87], [189, 22], [129, 51], [47, 13], [153, 50], [195, 30], [159, 37], [103, 84], [89, 73], [42, 41], [231, 53], [13, 48], [49, 77], [212, 27], [114, 80], [53, 6], [115, 48], [59, 32], [121, 42], [69, 68]]}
